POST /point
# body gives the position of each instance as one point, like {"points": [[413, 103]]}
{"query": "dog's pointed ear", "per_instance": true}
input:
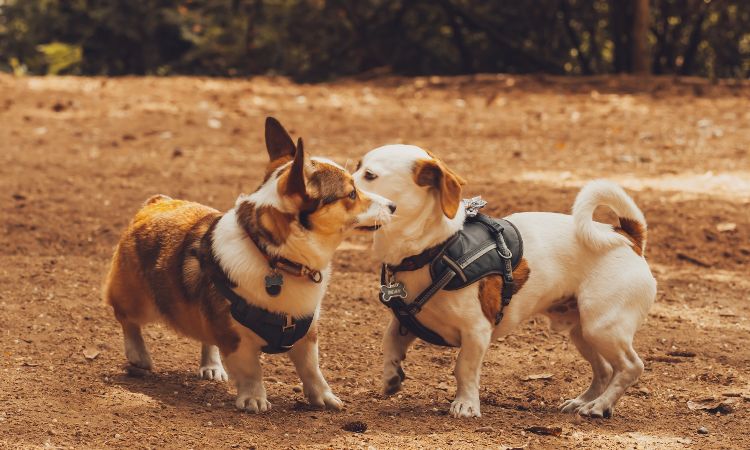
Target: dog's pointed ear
{"points": [[294, 184], [435, 174], [278, 142]]}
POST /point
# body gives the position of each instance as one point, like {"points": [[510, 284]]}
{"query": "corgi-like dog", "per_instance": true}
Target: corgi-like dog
{"points": [[588, 278], [269, 256]]}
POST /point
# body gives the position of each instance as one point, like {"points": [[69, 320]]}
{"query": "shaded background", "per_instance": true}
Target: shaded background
{"points": [[314, 40]]}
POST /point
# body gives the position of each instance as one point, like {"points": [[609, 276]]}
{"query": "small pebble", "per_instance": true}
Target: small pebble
{"points": [[702, 430], [355, 427], [297, 388]]}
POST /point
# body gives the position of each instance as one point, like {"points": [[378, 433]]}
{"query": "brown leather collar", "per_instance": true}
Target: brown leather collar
{"points": [[416, 262], [280, 263]]}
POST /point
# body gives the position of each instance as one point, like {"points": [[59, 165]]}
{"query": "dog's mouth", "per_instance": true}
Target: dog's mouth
{"points": [[368, 228]]}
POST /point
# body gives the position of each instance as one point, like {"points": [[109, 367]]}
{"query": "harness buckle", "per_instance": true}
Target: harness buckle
{"points": [[289, 325], [505, 252]]}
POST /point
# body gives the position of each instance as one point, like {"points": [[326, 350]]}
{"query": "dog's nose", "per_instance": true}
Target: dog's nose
{"points": [[392, 207]]}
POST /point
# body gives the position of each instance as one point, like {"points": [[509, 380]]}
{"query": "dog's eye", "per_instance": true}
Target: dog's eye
{"points": [[353, 194], [369, 175]]}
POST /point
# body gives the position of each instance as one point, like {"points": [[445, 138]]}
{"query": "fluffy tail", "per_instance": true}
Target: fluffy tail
{"points": [[632, 229]]}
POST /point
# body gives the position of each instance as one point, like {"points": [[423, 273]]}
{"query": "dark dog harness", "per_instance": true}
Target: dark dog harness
{"points": [[280, 331], [485, 246]]}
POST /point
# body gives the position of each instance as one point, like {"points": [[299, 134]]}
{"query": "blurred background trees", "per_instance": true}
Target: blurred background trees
{"points": [[314, 40]]}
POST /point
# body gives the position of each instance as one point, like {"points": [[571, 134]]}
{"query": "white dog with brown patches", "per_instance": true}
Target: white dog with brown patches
{"points": [[589, 278], [249, 280]]}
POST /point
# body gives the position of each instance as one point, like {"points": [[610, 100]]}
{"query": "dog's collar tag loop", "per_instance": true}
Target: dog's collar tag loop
{"points": [[274, 281]]}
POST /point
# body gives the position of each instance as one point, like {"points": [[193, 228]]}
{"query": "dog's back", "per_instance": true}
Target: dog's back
{"points": [[155, 270]]}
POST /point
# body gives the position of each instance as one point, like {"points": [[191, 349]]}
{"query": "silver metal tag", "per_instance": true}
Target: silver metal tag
{"points": [[393, 290]]}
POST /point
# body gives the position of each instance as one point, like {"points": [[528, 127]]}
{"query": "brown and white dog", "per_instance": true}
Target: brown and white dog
{"points": [[161, 267], [589, 278]]}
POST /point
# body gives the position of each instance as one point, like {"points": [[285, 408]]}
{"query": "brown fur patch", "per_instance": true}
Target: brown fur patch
{"points": [[155, 274], [328, 183], [331, 210], [490, 288], [273, 165], [635, 232], [265, 223], [433, 173]]}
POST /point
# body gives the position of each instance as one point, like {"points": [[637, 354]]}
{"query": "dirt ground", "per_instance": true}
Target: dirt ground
{"points": [[79, 155]]}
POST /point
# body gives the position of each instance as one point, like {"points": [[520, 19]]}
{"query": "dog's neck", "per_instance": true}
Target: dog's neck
{"points": [[239, 256], [404, 237]]}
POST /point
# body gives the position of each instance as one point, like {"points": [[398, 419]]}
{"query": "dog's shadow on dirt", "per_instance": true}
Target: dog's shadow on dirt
{"points": [[177, 389]]}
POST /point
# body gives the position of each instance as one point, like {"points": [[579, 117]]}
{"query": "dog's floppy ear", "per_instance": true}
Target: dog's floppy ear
{"points": [[433, 173], [293, 182], [278, 142]]}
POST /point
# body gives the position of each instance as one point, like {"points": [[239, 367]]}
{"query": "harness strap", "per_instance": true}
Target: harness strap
{"points": [[280, 331], [406, 312], [407, 317], [509, 284]]}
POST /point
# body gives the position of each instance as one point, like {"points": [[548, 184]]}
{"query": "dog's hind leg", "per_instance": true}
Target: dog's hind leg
{"points": [[395, 345], [611, 310], [135, 347], [211, 367], [131, 322], [602, 372]]}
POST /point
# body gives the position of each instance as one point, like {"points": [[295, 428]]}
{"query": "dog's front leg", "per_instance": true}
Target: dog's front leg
{"points": [[395, 345], [304, 355], [244, 367], [467, 372]]}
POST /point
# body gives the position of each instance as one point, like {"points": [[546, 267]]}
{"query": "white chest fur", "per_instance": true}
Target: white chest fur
{"points": [[248, 267]]}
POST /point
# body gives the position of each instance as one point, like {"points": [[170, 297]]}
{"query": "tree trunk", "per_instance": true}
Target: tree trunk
{"points": [[619, 17], [639, 37]]}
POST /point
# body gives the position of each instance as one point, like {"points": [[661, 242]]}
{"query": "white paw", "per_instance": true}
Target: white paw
{"points": [[325, 400], [465, 408], [253, 403], [139, 359], [571, 405], [214, 372], [597, 408]]}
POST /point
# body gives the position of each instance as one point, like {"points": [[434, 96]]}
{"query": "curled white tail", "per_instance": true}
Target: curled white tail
{"points": [[632, 229]]}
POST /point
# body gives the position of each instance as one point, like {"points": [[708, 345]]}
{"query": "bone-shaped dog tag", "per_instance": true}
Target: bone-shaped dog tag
{"points": [[274, 281], [393, 290]]}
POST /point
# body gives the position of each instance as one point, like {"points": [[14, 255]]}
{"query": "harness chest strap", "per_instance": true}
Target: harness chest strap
{"points": [[406, 312], [406, 316], [280, 331]]}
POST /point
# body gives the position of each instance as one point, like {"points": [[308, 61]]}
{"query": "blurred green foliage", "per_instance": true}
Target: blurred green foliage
{"points": [[318, 39]]}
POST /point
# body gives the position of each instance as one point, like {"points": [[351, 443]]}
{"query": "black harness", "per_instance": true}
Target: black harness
{"points": [[485, 246], [280, 331]]}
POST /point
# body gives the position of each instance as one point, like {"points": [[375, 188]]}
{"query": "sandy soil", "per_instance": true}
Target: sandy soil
{"points": [[78, 156]]}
